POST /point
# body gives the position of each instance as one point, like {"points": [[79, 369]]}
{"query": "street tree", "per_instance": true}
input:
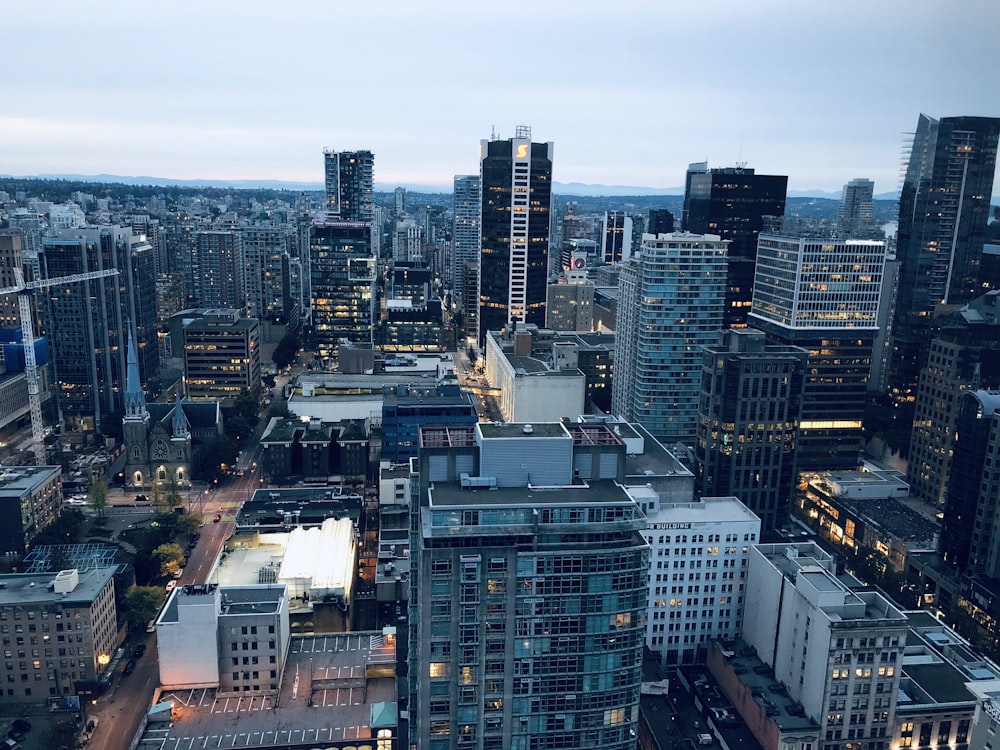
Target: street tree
{"points": [[97, 498], [142, 603], [169, 557]]}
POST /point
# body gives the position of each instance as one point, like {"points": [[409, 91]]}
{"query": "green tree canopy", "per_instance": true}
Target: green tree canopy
{"points": [[169, 557], [141, 604], [286, 351], [97, 498]]}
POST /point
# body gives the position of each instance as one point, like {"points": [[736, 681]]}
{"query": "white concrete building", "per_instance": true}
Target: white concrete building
{"points": [[698, 567], [531, 390]]}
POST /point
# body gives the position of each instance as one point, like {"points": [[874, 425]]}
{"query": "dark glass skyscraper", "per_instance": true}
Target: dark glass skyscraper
{"points": [[87, 321], [350, 179], [943, 211], [516, 179], [732, 203]]}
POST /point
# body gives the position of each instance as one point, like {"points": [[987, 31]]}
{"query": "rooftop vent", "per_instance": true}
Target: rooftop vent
{"points": [[527, 429]]}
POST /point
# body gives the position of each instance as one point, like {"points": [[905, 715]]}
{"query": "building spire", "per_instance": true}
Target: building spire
{"points": [[135, 399], [179, 426]]}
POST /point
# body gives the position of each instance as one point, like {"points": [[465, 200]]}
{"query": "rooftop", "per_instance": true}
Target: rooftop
{"points": [[21, 479], [497, 430], [602, 492], [29, 588]]}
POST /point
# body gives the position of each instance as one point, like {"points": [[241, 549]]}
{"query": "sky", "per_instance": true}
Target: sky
{"points": [[629, 91]]}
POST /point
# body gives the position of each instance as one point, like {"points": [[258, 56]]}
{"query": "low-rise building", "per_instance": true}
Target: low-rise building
{"points": [[30, 500], [59, 633], [232, 638]]}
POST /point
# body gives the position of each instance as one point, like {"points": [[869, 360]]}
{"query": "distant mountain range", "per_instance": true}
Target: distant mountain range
{"points": [[560, 188]]}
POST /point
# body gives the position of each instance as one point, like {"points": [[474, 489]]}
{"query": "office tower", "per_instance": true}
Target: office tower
{"points": [[943, 210], [266, 250], [616, 237], [837, 651], [516, 179], [465, 232], [144, 226], [856, 215], [221, 356], [681, 621], [31, 499], [823, 294], [695, 168], [217, 270], [399, 201], [350, 179], [569, 304], [470, 302], [732, 203], [406, 245], [661, 221], [527, 589], [670, 304], [11, 257], [969, 527], [343, 278], [86, 322], [408, 408], [965, 356], [748, 422]]}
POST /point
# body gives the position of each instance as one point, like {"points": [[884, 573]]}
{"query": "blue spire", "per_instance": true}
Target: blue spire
{"points": [[135, 399], [179, 427]]}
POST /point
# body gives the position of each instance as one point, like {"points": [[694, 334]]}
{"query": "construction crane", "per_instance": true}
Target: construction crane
{"points": [[24, 291]]}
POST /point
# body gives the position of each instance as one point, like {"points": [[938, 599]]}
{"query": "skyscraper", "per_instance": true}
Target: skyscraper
{"points": [[516, 186], [943, 211], [342, 264], [856, 214], [465, 233], [670, 304], [528, 589], [217, 269], [87, 322], [732, 203], [616, 239], [969, 527], [350, 179], [748, 422], [822, 294]]}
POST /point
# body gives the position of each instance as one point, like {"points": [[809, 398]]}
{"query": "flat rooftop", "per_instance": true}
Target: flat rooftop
{"points": [[601, 492], [330, 684], [33, 588], [497, 430]]}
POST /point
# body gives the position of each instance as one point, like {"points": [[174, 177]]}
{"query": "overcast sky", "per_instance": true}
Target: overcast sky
{"points": [[630, 92]]}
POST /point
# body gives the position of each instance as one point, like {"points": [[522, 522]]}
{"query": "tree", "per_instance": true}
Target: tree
{"points": [[98, 496], [172, 496], [286, 351], [141, 604], [169, 556], [66, 529]]}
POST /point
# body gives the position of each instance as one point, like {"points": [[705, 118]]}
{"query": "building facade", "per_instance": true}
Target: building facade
{"points": [[671, 299], [221, 356], [748, 422], [732, 202], [527, 604], [822, 294], [464, 234], [343, 282], [218, 269], [31, 499], [516, 189], [616, 237], [944, 208], [697, 573], [350, 180]]}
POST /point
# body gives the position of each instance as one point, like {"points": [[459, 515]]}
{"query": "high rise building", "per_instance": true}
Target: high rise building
{"points": [[856, 215], [217, 270], [343, 275], [661, 221], [221, 356], [465, 232], [748, 422], [943, 212], [964, 356], [516, 187], [970, 530], [695, 168], [670, 304], [528, 589], [616, 237], [266, 251], [350, 184], [86, 322], [732, 203], [822, 294]]}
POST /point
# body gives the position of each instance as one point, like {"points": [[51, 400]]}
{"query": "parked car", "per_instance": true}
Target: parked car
{"points": [[138, 651], [171, 585], [151, 627], [21, 725], [129, 667]]}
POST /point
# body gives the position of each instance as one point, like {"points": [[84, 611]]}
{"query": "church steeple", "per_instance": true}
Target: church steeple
{"points": [[179, 426], [135, 399]]}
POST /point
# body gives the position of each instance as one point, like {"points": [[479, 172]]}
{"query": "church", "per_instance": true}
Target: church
{"points": [[163, 442]]}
